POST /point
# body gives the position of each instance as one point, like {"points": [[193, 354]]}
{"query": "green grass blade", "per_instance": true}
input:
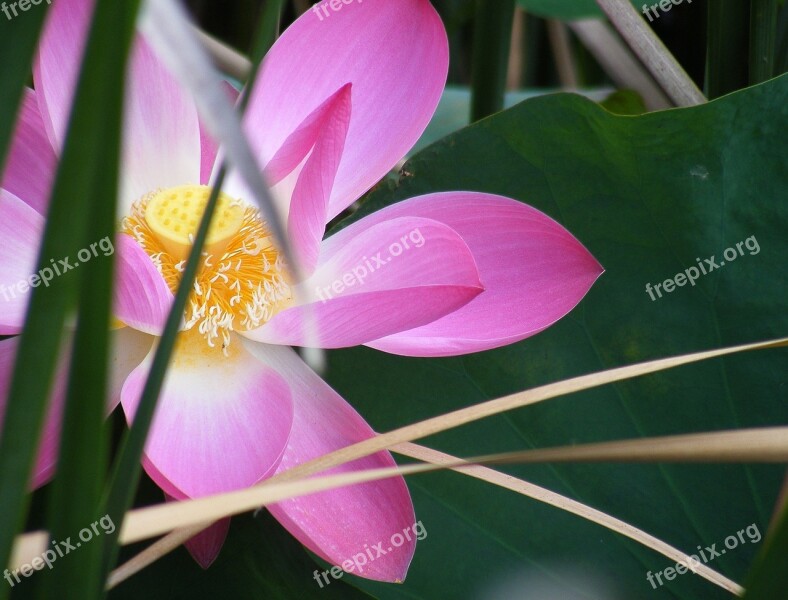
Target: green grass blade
{"points": [[18, 38], [491, 42], [781, 50], [75, 500], [65, 234], [727, 43], [763, 36], [768, 578], [127, 466]]}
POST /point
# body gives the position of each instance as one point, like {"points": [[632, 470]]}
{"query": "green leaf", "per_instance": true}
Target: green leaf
{"points": [[565, 10], [453, 111], [647, 195]]}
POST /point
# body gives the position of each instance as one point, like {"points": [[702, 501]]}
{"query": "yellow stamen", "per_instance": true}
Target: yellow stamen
{"points": [[241, 282]]}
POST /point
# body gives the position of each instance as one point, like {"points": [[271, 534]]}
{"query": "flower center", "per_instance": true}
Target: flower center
{"points": [[241, 282], [174, 216]]}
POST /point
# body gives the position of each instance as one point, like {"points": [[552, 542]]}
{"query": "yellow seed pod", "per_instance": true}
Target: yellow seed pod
{"points": [[174, 215]]}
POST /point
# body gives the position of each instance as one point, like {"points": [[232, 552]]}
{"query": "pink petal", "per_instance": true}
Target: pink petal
{"points": [[206, 545], [20, 232], [340, 524], [533, 271], [395, 55], [128, 349], [221, 423], [161, 146], [31, 162], [208, 151], [46, 457], [323, 133], [56, 67], [382, 291], [142, 297]]}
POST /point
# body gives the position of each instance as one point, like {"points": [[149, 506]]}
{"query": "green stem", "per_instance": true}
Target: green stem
{"points": [[491, 43], [726, 71], [763, 35]]}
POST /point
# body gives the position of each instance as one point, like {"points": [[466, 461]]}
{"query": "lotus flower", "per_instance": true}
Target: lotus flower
{"points": [[339, 102]]}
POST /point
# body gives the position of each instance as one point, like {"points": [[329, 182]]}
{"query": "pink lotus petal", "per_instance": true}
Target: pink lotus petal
{"points": [[167, 486], [322, 136], [395, 55], [533, 271], [161, 146], [31, 163], [46, 457], [20, 232], [56, 68], [384, 289], [221, 423], [339, 524], [206, 545], [208, 151], [128, 348], [142, 297]]}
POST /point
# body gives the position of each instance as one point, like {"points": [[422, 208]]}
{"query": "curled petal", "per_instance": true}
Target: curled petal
{"points": [[322, 136], [533, 271], [363, 44], [142, 297]]}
